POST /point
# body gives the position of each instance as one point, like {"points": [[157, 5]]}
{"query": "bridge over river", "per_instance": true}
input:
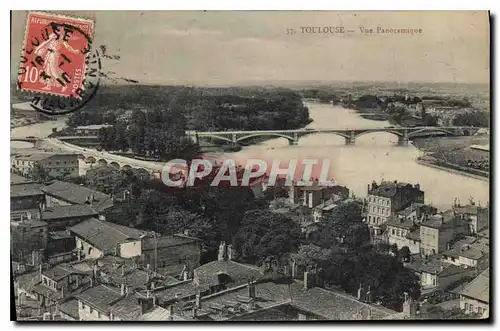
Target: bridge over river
{"points": [[404, 134]]}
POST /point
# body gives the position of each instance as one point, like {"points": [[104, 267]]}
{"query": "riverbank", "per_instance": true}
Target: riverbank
{"points": [[452, 168]]}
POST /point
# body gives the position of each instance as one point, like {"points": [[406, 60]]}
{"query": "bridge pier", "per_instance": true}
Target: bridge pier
{"points": [[403, 140], [293, 142], [351, 140]]}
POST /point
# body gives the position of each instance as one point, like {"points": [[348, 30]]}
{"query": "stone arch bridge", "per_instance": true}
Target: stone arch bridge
{"points": [[404, 134]]}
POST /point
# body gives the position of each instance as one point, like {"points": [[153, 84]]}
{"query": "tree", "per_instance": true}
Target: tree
{"points": [[344, 227], [264, 234], [404, 254], [309, 255]]}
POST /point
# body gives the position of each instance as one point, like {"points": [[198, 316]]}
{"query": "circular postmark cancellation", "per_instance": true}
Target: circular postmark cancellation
{"points": [[58, 66]]}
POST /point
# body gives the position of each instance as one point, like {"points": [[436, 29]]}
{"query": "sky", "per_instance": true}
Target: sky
{"points": [[242, 47]]}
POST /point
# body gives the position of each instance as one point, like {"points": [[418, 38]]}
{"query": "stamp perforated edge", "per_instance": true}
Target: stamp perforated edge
{"points": [[33, 93]]}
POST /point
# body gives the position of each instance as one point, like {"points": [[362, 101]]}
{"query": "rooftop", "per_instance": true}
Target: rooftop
{"points": [[208, 274], [16, 179], [59, 272], [469, 248], [99, 297], [70, 308], [479, 288], [389, 189], [78, 194], [25, 190], [103, 235], [401, 223], [57, 212]]}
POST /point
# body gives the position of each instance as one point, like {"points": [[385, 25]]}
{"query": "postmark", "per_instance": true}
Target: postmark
{"points": [[58, 65]]}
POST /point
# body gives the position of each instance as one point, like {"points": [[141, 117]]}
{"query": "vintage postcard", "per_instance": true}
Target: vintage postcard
{"points": [[250, 165]]}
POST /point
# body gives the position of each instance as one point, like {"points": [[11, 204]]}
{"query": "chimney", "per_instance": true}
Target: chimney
{"points": [[308, 280], [361, 293], [185, 275], [170, 312], [91, 282], [251, 290], [229, 252], [194, 312], [198, 300], [369, 295], [122, 289], [41, 269], [294, 269], [77, 281], [123, 270], [62, 291], [222, 251]]}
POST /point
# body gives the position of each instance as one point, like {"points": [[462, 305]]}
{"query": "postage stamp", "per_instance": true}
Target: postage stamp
{"points": [[56, 60]]}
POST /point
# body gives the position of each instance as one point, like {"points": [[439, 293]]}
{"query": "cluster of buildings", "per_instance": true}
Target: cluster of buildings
{"points": [[74, 257], [53, 165], [70, 262], [444, 247]]}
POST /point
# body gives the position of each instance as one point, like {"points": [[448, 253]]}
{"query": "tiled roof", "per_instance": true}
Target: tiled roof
{"points": [[100, 297], [419, 264], [469, 248], [103, 235], [403, 224], [479, 288], [128, 308], [58, 272], [179, 290], [47, 292], [333, 305], [67, 211], [388, 189], [133, 277], [24, 190], [207, 274], [167, 241], [156, 314], [77, 194], [16, 179], [70, 308]]}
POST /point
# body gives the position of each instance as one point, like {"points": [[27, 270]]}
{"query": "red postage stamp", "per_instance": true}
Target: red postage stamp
{"points": [[54, 56]]}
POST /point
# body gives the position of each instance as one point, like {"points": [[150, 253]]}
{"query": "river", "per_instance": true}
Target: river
{"points": [[375, 156]]}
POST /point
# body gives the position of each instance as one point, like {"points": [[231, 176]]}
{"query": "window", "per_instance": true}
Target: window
{"points": [[466, 306], [471, 308], [90, 310], [98, 315], [378, 209], [393, 231], [369, 219], [480, 310]]}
